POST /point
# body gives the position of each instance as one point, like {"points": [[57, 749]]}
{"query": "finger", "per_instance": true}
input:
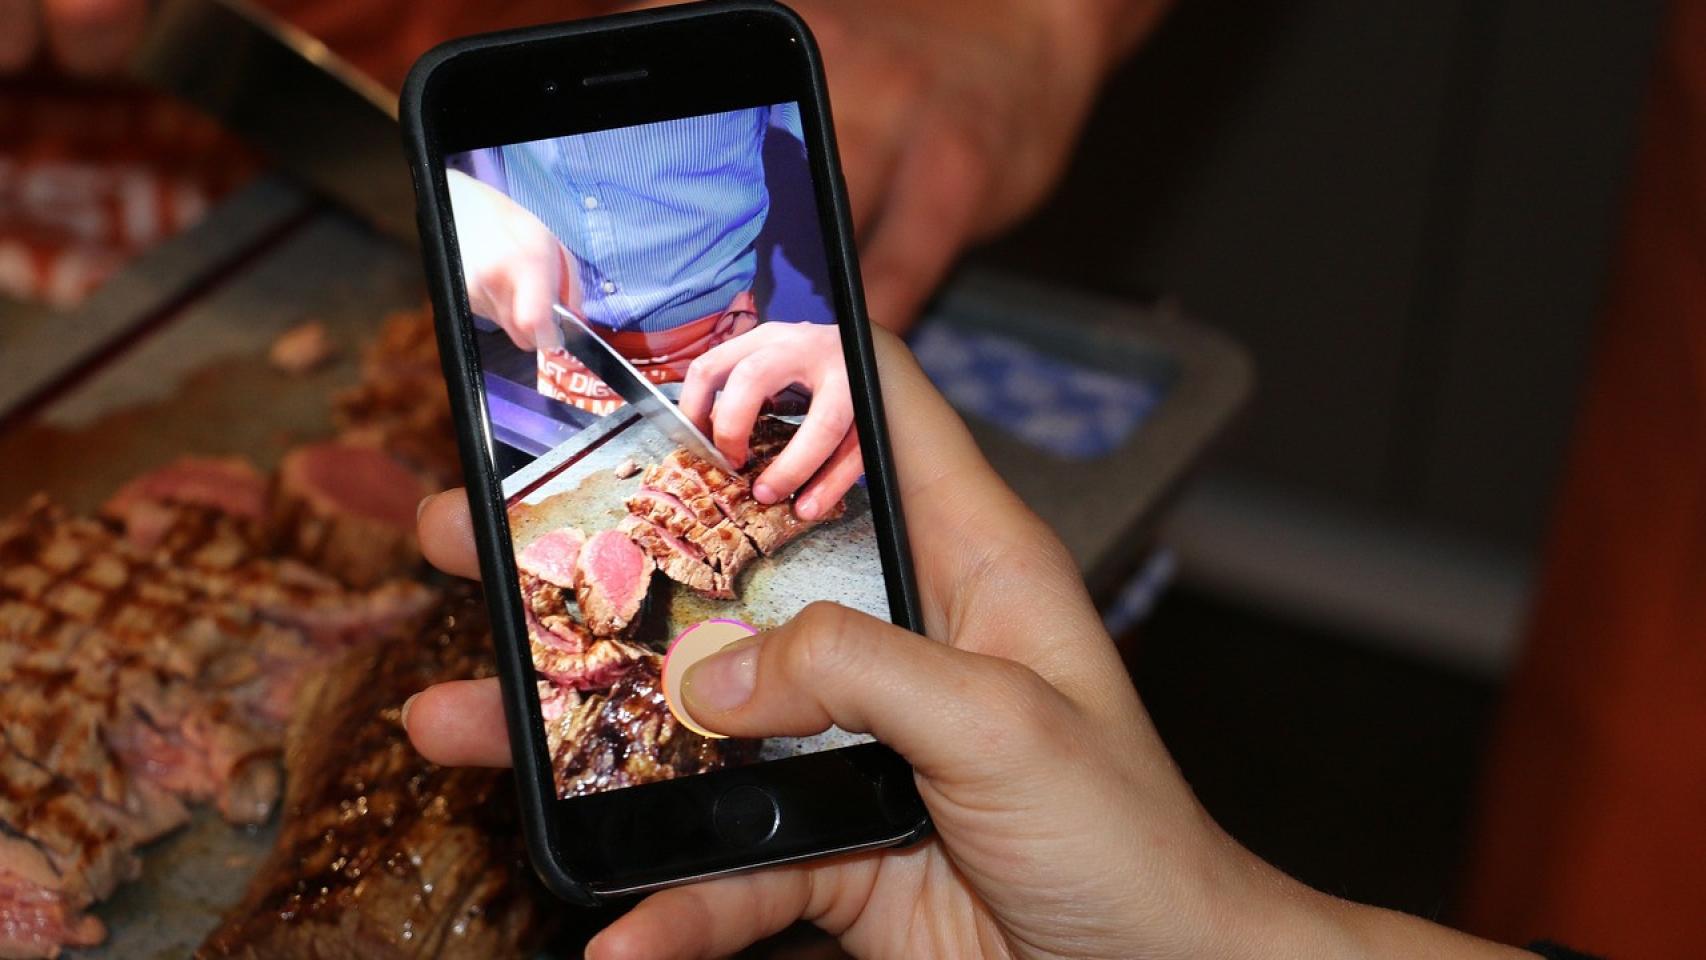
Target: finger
{"points": [[532, 325], [709, 371], [844, 469], [828, 422], [445, 529], [459, 724], [93, 36], [927, 219], [833, 665], [711, 919], [749, 384], [20, 31], [984, 561]]}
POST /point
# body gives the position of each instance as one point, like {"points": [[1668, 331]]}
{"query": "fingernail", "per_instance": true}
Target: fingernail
{"points": [[723, 681], [806, 509], [420, 508], [764, 493], [406, 705]]}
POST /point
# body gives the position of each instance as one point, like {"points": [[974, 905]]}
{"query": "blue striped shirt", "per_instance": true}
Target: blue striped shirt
{"points": [[661, 217]]}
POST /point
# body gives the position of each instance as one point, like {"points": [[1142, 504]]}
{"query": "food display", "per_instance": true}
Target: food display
{"points": [[600, 686], [156, 653]]}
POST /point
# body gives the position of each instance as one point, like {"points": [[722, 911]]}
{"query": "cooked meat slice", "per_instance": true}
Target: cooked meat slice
{"points": [[543, 599], [769, 435], [59, 852], [679, 560], [301, 349], [626, 469], [722, 546], [401, 405], [382, 855], [551, 557], [556, 705], [771, 527], [567, 655], [612, 575], [348, 510], [229, 485], [629, 737], [684, 485]]}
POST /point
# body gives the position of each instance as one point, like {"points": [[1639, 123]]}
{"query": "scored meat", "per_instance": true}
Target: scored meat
{"points": [[701, 525], [348, 510], [382, 855], [141, 673], [551, 557], [721, 548], [611, 579], [628, 736]]}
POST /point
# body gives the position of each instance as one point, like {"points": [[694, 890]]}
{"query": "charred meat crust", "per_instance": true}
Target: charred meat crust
{"points": [[381, 854]]}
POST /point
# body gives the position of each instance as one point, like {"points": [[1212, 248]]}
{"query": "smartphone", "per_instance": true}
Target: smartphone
{"points": [[637, 241]]}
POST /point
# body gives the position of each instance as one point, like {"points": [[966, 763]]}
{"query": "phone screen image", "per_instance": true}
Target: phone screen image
{"points": [[670, 415]]}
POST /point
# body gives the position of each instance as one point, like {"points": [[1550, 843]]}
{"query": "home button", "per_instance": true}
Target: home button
{"points": [[746, 816]]}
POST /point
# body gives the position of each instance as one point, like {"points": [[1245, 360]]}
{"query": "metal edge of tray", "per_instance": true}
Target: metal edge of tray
{"points": [[49, 352], [1213, 380]]}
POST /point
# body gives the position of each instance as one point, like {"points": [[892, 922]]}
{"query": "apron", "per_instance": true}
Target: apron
{"points": [[662, 356]]}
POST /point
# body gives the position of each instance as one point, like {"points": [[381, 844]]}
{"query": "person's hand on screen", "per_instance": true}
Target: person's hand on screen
{"points": [[513, 265], [823, 459], [85, 37], [1062, 828]]}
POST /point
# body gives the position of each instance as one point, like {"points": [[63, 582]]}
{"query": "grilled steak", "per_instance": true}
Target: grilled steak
{"points": [[700, 524], [141, 672], [552, 557], [628, 737], [401, 405], [348, 511], [611, 578], [381, 854], [565, 654]]}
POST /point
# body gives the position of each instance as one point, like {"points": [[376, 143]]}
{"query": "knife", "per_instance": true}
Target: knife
{"points": [[311, 113], [633, 386]]}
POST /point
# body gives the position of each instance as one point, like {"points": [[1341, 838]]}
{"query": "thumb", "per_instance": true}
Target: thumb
{"points": [[935, 705]]}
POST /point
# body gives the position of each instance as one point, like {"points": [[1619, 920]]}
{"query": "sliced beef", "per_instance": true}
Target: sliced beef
{"points": [[567, 655], [628, 737], [382, 855], [721, 547], [401, 405], [348, 510], [678, 559], [612, 575], [769, 527], [551, 557]]}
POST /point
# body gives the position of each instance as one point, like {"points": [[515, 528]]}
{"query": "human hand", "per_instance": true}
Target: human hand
{"points": [[84, 37], [1062, 826], [954, 118], [757, 365], [513, 265]]}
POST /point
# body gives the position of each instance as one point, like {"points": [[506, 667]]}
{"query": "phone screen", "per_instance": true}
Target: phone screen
{"points": [[687, 256]]}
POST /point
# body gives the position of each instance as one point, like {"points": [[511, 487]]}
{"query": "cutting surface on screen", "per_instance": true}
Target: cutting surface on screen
{"points": [[671, 417]]}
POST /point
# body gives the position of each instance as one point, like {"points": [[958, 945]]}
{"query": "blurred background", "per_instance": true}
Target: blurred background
{"points": [[1355, 253]]}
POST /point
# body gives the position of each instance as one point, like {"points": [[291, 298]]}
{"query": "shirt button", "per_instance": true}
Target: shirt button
{"points": [[590, 202], [609, 286]]}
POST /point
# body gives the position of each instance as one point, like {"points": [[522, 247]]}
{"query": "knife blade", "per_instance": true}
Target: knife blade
{"points": [[314, 115], [633, 386]]}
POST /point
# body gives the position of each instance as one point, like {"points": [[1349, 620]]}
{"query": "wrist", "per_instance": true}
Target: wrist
{"points": [[1297, 921]]}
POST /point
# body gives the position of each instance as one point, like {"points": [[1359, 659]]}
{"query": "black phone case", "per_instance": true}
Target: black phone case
{"points": [[461, 367]]}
